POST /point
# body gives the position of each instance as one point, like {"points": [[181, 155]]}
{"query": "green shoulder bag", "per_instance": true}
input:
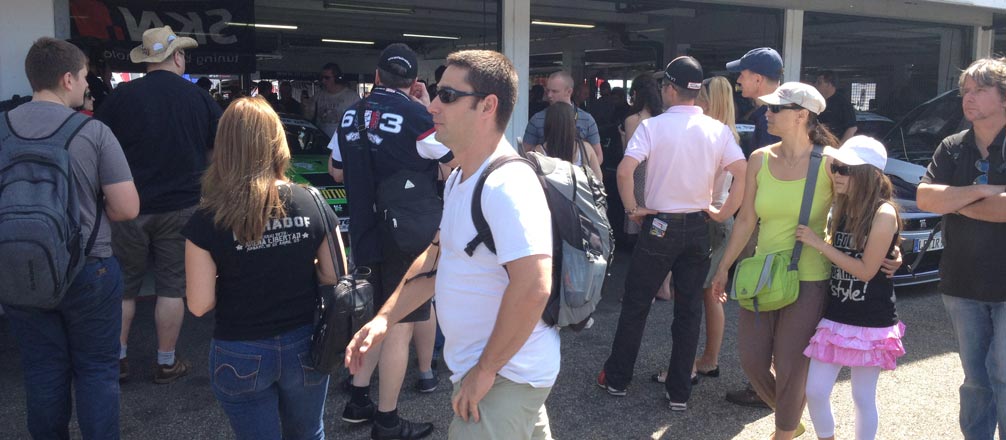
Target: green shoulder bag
{"points": [[770, 282]]}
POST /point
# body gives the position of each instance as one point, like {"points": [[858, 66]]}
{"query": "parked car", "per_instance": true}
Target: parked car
{"points": [[309, 163], [872, 124], [916, 226], [915, 137]]}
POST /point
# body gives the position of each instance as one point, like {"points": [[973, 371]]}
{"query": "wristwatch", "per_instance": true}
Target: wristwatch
{"points": [[631, 211]]}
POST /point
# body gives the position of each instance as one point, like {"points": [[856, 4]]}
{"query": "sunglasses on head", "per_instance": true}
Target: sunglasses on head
{"points": [[776, 108], [841, 169], [448, 95]]}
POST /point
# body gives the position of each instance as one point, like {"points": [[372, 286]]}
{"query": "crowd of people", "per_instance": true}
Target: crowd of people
{"points": [[168, 183]]}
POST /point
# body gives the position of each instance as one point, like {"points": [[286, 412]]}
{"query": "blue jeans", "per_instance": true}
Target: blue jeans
{"points": [[76, 343], [684, 249], [980, 328], [268, 383]]}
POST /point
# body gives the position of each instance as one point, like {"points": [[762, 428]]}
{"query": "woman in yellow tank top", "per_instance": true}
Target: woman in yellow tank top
{"points": [[775, 181]]}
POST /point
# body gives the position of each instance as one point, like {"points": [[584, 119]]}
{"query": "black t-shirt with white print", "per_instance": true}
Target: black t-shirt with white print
{"points": [[856, 302], [268, 287]]}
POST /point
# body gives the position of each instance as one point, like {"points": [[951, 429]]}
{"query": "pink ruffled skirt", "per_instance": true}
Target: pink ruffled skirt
{"points": [[855, 346]]}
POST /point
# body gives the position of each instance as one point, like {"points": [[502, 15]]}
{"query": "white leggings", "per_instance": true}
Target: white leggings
{"points": [[821, 379]]}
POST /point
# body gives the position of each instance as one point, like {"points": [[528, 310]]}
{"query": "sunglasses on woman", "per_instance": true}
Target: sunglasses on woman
{"points": [[776, 108], [448, 95], [841, 169]]}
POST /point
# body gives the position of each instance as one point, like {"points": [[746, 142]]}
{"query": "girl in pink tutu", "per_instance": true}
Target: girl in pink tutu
{"points": [[860, 328]]}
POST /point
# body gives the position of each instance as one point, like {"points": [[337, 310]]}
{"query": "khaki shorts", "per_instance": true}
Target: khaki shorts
{"points": [[719, 235], [510, 411], [156, 239]]}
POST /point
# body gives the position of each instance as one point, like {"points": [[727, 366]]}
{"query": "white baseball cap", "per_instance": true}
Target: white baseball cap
{"points": [[804, 95], [860, 150]]}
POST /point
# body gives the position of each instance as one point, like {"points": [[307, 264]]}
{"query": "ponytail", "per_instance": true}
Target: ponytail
{"points": [[819, 133]]}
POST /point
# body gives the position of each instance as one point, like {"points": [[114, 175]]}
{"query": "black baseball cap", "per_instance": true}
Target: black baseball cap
{"points": [[685, 72], [400, 60]]}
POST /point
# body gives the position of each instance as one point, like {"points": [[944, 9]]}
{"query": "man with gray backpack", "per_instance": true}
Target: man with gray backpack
{"points": [[63, 177], [683, 150]]}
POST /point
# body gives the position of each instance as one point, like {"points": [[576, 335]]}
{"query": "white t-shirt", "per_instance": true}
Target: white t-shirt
{"points": [[683, 149], [469, 290]]}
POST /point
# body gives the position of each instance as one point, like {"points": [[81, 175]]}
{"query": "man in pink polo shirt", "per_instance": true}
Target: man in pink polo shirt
{"points": [[683, 150]]}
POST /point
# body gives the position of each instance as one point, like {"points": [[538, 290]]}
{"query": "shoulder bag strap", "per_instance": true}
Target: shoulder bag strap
{"points": [[322, 206], [813, 169]]}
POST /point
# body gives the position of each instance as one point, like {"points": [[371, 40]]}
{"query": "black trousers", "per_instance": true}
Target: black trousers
{"points": [[684, 249]]}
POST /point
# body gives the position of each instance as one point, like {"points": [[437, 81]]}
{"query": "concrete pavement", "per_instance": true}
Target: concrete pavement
{"points": [[917, 401]]}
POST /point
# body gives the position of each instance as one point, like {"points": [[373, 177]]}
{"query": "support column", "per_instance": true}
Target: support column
{"points": [[516, 34], [950, 59], [792, 44], [573, 62], [21, 24], [984, 40]]}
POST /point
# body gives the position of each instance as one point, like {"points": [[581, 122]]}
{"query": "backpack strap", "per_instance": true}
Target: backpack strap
{"points": [[65, 135], [5, 130], [69, 129], [813, 169], [483, 235]]}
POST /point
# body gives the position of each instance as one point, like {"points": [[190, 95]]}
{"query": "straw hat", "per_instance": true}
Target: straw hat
{"points": [[158, 45]]}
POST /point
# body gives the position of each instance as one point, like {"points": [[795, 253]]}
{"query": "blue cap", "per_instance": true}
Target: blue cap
{"points": [[764, 61]]}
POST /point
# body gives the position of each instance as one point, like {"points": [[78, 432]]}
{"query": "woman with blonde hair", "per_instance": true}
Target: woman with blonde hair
{"points": [[716, 99], [255, 251]]}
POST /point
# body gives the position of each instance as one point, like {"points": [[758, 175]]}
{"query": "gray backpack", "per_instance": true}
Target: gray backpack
{"points": [[583, 242], [41, 249]]}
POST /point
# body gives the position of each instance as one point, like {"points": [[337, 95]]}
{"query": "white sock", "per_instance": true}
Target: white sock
{"points": [[166, 357], [122, 351]]}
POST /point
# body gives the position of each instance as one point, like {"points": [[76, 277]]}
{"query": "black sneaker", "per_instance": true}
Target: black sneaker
{"points": [[427, 385], [603, 383], [403, 430], [359, 413]]}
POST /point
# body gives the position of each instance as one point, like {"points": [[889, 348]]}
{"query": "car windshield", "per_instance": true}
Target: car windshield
{"points": [[303, 137]]}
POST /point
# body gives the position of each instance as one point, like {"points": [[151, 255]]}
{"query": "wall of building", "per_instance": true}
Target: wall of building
{"points": [[21, 23]]}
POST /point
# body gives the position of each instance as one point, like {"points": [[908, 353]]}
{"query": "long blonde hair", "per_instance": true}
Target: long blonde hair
{"points": [[249, 155], [717, 93]]}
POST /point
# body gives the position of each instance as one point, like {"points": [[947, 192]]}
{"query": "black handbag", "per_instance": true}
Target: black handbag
{"points": [[342, 309]]}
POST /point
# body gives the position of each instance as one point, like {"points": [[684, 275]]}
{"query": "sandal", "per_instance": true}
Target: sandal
{"points": [[715, 372]]}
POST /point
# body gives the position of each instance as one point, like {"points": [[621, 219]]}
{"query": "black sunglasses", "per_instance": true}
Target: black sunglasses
{"points": [[448, 95], [841, 170], [776, 108], [326, 77]]}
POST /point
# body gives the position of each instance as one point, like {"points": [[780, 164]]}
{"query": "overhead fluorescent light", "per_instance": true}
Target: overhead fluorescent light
{"points": [[264, 25], [562, 24], [332, 40], [372, 8], [435, 37]]}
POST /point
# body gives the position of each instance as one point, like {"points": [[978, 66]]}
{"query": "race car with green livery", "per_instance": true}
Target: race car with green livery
{"points": [[309, 164]]}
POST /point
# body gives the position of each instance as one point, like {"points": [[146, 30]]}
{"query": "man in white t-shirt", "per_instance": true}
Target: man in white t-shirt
{"points": [[683, 149], [504, 358]]}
